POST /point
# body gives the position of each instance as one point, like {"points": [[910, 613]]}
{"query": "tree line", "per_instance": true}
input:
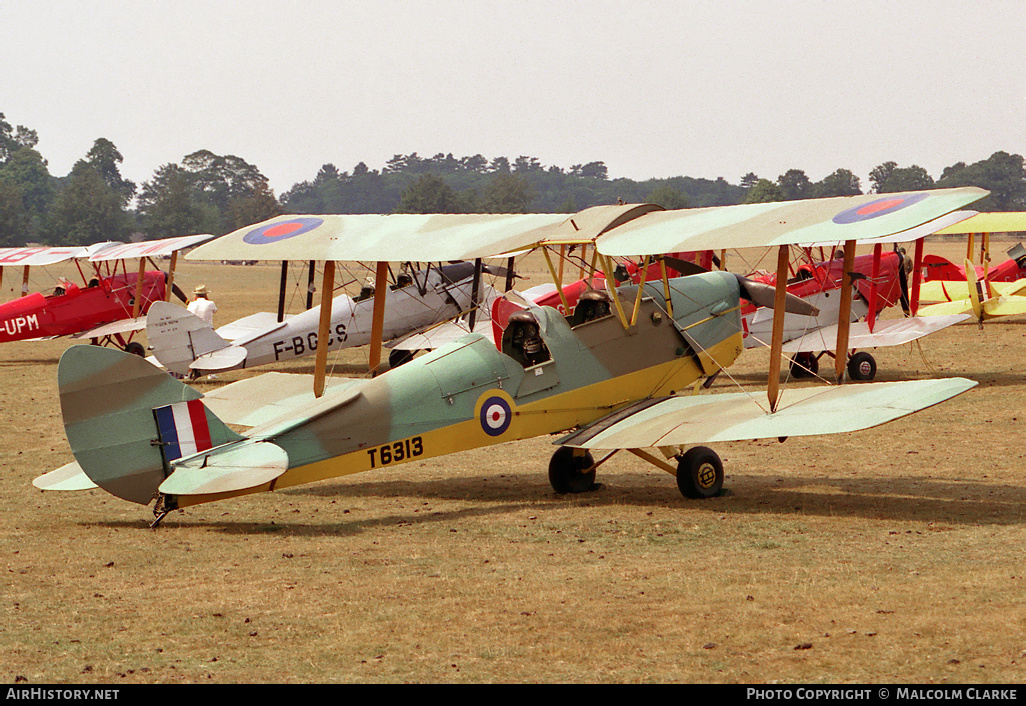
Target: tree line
{"points": [[210, 193]]}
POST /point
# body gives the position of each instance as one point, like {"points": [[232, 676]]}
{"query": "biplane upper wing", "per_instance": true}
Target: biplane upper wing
{"points": [[147, 248], [33, 256], [783, 223], [622, 230], [375, 238], [736, 416]]}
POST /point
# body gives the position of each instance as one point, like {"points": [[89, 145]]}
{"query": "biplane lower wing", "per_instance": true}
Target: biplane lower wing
{"points": [[254, 401], [950, 291], [113, 328], [806, 411], [886, 333]]}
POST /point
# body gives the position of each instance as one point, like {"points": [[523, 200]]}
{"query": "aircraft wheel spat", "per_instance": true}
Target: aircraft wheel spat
{"points": [[281, 230], [699, 473], [495, 416], [880, 207]]}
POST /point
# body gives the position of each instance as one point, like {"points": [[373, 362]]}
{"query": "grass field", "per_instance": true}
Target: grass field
{"points": [[890, 555]]}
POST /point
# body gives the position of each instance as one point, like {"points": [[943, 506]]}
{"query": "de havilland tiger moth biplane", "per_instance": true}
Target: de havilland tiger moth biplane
{"points": [[629, 380], [108, 307]]}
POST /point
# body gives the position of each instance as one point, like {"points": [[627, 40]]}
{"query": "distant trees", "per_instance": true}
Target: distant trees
{"points": [[794, 185], [839, 183], [889, 178], [764, 191], [1002, 174], [86, 210], [207, 192], [669, 197]]}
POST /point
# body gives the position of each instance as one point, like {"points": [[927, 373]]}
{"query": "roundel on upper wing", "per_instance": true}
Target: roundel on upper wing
{"points": [[281, 230], [880, 207], [495, 416]]}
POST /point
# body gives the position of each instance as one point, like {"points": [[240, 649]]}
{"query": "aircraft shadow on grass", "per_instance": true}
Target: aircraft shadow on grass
{"points": [[899, 499]]}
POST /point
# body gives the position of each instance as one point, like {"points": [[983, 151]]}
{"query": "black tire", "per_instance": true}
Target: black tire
{"points": [[804, 365], [398, 356], [135, 348], [568, 472], [861, 366], [699, 473]]}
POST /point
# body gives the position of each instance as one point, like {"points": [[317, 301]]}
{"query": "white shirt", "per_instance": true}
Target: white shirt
{"points": [[203, 308]]}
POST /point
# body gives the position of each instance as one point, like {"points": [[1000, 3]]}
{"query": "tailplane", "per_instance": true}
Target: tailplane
{"points": [[127, 421], [179, 337]]}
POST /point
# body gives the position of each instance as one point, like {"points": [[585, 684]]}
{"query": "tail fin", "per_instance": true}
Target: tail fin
{"points": [[113, 402], [936, 267], [179, 337]]}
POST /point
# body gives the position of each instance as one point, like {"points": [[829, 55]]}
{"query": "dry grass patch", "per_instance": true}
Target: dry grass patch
{"points": [[888, 555]]}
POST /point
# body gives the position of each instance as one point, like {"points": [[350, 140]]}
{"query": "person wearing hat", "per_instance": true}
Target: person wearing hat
{"points": [[201, 306]]}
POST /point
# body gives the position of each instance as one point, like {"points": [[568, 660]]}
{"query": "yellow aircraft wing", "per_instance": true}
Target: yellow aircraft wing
{"points": [[1004, 306], [1010, 222]]}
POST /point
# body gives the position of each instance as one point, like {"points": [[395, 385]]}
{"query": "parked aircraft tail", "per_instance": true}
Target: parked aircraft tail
{"points": [[179, 337], [936, 267], [127, 421]]}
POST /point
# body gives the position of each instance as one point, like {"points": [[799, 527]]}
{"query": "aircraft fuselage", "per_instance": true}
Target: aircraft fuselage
{"points": [[469, 394], [77, 309]]}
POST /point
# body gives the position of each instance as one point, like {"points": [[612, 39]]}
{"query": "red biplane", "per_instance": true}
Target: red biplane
{"points": [[880, 281], [109, 305]]}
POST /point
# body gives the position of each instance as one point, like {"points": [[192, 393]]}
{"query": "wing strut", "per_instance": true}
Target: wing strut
{"points": [[777, 341], [171, 276], [917, 277], [844, 316], [378, 320], [281, 290], [321, 363], [475, 294], [557, 278], [138, 288], [871, 316]]}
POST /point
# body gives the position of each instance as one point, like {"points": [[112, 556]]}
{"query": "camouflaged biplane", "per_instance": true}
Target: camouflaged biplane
{"points": [[626, 372]]}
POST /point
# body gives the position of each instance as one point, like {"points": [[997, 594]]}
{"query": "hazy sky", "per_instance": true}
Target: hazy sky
{"points": [[653, 89]]}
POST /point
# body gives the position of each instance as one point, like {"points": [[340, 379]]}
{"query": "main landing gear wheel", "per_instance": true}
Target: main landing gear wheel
{"points": [[568, 471], [861, 366], [136, 348], [699, 473], [804, 365]]}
